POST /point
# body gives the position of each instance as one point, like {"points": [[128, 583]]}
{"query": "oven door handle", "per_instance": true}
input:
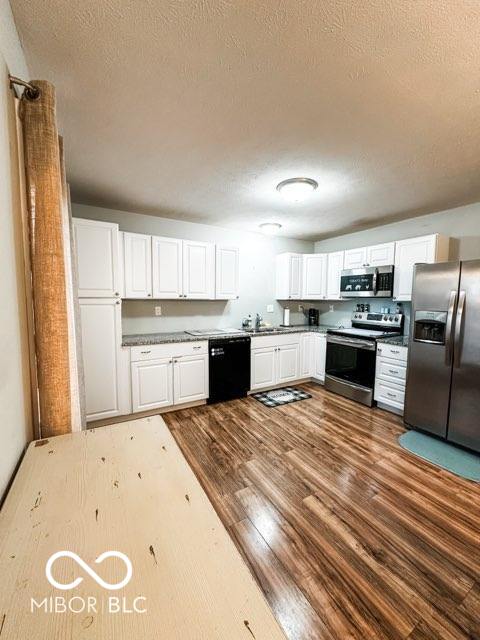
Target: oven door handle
{"points": [[351, 342], [374, 281]]}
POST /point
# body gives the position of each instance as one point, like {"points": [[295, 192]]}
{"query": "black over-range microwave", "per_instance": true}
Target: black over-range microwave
{"points": [[367, 282]]}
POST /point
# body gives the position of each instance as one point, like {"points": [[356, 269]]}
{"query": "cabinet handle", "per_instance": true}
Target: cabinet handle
{"points": [[170, 361], [149, 295], [393, 371], [395, 351], [391, 395], [145, 352], [175, 360], [117, 302], [197, 347], [116, 293]]}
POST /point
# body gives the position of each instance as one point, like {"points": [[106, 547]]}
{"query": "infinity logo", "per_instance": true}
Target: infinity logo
{"points": [[89, 570]]}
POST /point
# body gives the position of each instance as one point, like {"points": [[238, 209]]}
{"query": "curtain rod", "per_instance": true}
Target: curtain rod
{"points": [[31, 91]]}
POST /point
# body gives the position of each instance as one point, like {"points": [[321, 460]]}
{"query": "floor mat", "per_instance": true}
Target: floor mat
{"points": [[443, 454], [278, 397]]}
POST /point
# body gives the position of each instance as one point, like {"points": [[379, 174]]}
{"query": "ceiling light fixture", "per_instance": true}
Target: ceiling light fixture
{"points": [[297, 189], [270, 227]]}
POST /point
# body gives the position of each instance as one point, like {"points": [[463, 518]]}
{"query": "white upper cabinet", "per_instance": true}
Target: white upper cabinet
{"points": [[198, 270], [426, 249], [97, 254], [167, 268], [355, 258], [334, 272], [377, 255], [137, 265], [314, 277], [380, 255], [226, 272], [288, 276]]}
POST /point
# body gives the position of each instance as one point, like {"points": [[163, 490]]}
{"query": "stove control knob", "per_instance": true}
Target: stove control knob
{"points": [[396, 318], [385, 317], [390, 318]]}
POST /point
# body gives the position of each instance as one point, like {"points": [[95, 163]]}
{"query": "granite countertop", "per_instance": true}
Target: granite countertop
{"points": [[139, 339], [398, 341]]}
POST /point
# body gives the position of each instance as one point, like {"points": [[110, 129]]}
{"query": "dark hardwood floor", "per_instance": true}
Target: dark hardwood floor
{"points": [[348, 535]]}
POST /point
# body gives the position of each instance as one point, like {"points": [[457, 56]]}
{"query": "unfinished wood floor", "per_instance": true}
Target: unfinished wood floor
{"points": [[348, 535]]}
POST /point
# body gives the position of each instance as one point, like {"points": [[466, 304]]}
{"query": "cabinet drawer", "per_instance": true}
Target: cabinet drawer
{"points": [[275, 340], [391, 370], [392, 351], [169, 350], [389, 394]]}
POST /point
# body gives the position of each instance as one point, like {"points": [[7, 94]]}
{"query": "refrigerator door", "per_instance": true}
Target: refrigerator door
{"points": [[430, 353], [464, 422]]}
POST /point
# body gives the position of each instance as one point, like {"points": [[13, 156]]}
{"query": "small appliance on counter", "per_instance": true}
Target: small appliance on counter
{"points": [[351, 354], [313, 317], [367, 282], [229, 368]]}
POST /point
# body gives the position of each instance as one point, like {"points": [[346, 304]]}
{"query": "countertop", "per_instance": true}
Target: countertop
{"points": [[398, 341], [139, 339]]}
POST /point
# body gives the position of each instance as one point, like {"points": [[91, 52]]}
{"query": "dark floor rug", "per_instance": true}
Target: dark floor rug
{"points": [[279, 397]]}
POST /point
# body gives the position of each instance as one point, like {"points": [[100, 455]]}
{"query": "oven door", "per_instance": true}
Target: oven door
{"points": [[350, 367]]}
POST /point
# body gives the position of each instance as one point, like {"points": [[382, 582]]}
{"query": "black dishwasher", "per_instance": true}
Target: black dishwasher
{"points": [[229, 368]]}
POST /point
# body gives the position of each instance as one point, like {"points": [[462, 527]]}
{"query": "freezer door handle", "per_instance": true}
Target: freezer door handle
{"points": [[457, 348], [448, 328]]}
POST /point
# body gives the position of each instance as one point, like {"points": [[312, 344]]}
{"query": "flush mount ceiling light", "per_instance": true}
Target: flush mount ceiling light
{"points": [[270, 227], [297, 189]]}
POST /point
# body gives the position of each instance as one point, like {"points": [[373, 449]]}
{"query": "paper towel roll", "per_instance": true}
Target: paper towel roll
{"points": [[286, 317]]}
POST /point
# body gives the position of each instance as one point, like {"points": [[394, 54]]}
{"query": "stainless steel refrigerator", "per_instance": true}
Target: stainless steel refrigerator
{"points": [[443, 376]]}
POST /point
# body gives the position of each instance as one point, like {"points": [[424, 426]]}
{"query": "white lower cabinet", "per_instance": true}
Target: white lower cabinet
{"points": [[152, 384], [263, 370], [100, 320], [307, 363], [190, 378], [168, 374], [288, 363], [390, 376], [320, 352]]}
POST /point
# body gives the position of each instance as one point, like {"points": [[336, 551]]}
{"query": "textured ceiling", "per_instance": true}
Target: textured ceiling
{"points": [[196, 109]]}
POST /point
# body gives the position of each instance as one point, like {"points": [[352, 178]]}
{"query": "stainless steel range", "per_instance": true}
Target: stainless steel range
{"points": [[351, 354]]}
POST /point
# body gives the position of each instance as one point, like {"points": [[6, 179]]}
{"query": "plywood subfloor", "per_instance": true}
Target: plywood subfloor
{"points": [[349, 536], [125, 488]]}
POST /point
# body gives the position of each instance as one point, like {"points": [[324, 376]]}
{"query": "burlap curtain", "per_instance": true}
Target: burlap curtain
{"points": [[53, 276]]}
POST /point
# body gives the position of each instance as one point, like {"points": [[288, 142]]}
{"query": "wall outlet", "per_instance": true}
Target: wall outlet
{"points": [[158, 311], [301, 308], [331, 307], [269, 308]]}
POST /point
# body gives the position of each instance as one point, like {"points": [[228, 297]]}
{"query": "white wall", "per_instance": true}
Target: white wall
{"points": [[257, 276], [461, 224], [15, 417]]}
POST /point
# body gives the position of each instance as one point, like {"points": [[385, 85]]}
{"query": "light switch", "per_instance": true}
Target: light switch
{"points": [[158, 311], [269, 308]]}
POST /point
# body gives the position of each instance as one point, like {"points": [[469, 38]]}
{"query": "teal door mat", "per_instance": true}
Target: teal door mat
{"points": [[443, 454]]}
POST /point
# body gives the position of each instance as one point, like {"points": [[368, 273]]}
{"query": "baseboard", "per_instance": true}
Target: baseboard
{"points": [[285, 384], [144, 414], [387, 407]]}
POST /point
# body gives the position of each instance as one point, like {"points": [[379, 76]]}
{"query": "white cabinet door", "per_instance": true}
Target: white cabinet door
{"points": [[152, 384], [288, 276], [226, 272], [320, 351], [334, 272], [190, 378], [379, 255], [167, 268], [137, 250], [306, 355], [97, 255], [355, 258], [101, 339], [263, 367], [198, 270], [314, 280], [407, 254], [288, 363]]}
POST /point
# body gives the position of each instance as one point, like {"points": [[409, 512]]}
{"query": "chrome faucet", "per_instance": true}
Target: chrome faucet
{"points": [[258, 321]]}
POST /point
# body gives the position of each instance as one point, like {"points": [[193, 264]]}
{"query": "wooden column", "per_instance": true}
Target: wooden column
{"points": [[44, 198]]}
